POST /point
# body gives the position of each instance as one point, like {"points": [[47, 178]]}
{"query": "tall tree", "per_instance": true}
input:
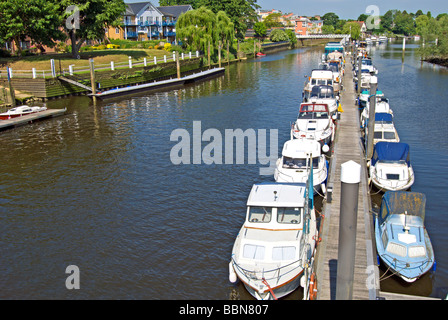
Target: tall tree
{"points": [[330, 19], [260, 29], [87, 19], [39, 20], [241, 12], [193, 3]]}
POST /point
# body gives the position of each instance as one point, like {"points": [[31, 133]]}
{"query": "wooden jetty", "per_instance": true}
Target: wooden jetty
{"points": [[158, 85], [23, 120], [347, 146]]}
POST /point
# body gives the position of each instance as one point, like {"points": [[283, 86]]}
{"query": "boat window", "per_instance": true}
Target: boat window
{"points": [[260, 214], [289, 215], [321, 82], [251, 251], [384, 238], [378, 135], [294, 163], [283, 253], [313, 81], [396, 249], [417, 251], [389, 135], [392, 176]]}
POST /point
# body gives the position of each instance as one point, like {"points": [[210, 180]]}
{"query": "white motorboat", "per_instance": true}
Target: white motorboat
{"points": [[365, 94], [277, 241], [402, 241], [20, 111], [384, 129], [314, 122], [324, 94], [294, 164], [319, 78], [381, 106], [390, 167]]}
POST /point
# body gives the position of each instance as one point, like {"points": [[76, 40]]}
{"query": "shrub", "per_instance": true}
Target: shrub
{"points": [[167, 46], [278, 35], [112, 46], [156, 46]]}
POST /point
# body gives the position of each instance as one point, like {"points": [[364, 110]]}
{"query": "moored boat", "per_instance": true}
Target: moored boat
{"points": [[20, 111], [402, 241], [298, 155], [277, 241], [390, 167]]}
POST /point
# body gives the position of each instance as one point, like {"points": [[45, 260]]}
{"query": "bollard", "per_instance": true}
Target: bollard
{"points": [[189, 54], [144, 62], [112, 66], [70, 69], [155, 60], [164, 58], [174, 55], [53, 69], [350, 179], [130, 62], [197, 54], [183, 56], [34, 73]]}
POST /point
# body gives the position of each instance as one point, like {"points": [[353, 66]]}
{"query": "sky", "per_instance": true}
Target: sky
{"points": [[352, 9]]}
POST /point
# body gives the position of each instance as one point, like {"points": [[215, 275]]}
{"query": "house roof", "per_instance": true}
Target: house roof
{"points": [[174, 11], [134, 8]]}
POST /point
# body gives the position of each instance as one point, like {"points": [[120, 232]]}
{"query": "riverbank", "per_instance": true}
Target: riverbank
{"points": [[439, 61]]}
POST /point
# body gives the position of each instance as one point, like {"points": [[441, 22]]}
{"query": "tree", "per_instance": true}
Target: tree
{"points": [[292, 37], [193, 3], [260, 29], [363, 17], [273, 20], [224, 27], [387, 21], [404, 23], [278, 35], [94, 17], [37, 19], [353, 29], [197, 28], [330, 19], [241, 12], [327, 29]]}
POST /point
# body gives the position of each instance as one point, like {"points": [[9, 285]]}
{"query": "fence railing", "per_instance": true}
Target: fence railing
{"points": [[53, 72]]}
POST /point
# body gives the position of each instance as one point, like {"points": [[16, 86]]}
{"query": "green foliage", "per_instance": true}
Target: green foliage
{"points": [[273, 20], [292, 36], [353, 29], [330, 19], [434, 34], [260, 30], [278, 35]]}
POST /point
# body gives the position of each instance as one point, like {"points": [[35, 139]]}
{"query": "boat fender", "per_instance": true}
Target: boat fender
{"points": [[323, 187], [434, 266], [232, 274], [325, 148], [313, 287]]}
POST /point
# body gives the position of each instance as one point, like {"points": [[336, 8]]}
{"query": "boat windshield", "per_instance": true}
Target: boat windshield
{"points": [[313, 115], [289, 215], [299, 163], [321, 82], [367, 62], [386, 135], [260, 214], [322, 92]]}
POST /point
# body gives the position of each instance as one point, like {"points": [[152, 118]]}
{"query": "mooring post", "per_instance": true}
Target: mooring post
{"points": [[92, 79], [11, 89], [350, 179], [371, 124], [219, 53], [178, 65], [359, 73]]}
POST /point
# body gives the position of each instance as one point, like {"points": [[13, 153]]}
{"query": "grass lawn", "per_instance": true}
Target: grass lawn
{"points": [[100, 57]]}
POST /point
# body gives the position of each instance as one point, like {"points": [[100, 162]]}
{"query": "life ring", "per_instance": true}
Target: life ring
{"points": [[313, 287]]}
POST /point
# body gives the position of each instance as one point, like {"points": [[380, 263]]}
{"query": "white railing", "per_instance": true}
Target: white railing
{"points": [[322, 36], [54, 71]]}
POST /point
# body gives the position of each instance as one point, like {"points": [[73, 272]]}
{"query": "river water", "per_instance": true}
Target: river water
{"points": [[98, 189]]}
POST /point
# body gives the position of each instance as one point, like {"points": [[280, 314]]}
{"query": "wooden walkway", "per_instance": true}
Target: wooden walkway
{"points": [[347, 146], [20, 121]]}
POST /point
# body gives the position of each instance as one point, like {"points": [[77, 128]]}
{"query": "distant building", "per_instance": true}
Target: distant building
{"points": [[304, 26], [143, 21]]}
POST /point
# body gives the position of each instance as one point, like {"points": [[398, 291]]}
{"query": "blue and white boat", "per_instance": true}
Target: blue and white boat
{"points": [[402, 242], [390, 167]]}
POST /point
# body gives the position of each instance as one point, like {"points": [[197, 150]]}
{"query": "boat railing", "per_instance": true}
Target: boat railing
{"points": [[379, 179], [406, 265]]}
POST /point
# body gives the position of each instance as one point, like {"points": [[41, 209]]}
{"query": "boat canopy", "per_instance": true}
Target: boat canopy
{"points": [[399, 202], [322, 92], [383, 117], [391, 151]]}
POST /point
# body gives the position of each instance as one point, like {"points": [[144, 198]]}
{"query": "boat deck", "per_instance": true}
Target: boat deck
{"points": [[23, 120], [347, 146]]}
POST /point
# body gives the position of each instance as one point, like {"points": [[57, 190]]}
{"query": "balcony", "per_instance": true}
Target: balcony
{"points": [[153, 34], [129, 23], [132, 34], [169, 34], [169, 23]]}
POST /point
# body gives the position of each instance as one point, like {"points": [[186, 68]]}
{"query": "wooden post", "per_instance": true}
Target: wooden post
{"points": [[11, 89], [208, 53], [178, 65], [371, 124], [219, 53], [92, 79], [228, 52]]}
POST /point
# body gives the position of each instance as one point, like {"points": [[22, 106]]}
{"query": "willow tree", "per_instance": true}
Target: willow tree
{"points": [[197, 28], [225, 28]]}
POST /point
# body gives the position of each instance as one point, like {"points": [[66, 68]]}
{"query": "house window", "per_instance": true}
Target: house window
{"points": [[117, 31], [304, 24]]}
